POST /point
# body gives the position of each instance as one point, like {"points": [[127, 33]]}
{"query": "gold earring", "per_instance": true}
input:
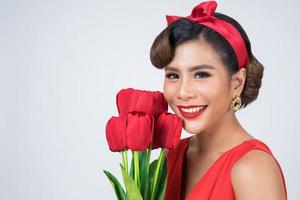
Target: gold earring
{"points": [[236, 103]]}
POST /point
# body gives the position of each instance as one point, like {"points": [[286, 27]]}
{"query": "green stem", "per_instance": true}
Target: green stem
{"points": [[136, 168], [148, 159], [123, 160], [126, 161], [156, 173]]}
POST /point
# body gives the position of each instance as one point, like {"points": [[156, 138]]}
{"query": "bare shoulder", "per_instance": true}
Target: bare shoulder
{"points": [[257, 176]]}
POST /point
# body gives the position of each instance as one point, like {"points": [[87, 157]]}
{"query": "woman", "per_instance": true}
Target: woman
{"points": [[210, 72]]}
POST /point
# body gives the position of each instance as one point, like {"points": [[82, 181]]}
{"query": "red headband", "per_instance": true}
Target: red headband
{"points": [[203, 14]]}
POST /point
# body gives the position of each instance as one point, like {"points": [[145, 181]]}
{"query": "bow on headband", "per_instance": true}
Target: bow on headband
{"points": [[203, 14]]}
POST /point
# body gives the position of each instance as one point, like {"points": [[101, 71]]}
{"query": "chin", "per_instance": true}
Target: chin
{"points": [[192, 127]]}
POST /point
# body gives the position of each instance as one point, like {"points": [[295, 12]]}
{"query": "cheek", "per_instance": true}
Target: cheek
{"points": [[219, 97], [169, 91]]}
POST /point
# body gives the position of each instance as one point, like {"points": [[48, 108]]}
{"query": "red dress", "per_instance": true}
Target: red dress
{"points": [[215, 184]]}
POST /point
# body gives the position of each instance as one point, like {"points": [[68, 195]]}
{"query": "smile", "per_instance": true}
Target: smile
{"points": [[191, 112]]}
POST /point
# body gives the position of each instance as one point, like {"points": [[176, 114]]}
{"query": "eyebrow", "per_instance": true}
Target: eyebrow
{"points": [[194, 68]]}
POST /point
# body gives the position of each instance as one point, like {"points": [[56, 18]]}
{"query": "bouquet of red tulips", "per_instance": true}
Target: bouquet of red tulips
{"points": [[143, 124]]}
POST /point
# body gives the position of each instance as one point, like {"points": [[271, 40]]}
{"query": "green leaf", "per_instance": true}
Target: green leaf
{"points": [[143, 173], [151, 174], [159, 177], [152, 169], [120, 193], [131, 171], [162, 179], [131, 188], [161, 193]]}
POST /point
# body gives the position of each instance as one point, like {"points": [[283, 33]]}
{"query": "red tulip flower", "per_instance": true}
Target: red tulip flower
{"points": [[140, 112], [139, 131], [133, 132], [116, 133], [167, 132], [130, 100], [160, 104]]}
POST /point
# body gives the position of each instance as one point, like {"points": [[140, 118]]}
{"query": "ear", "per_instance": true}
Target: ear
{"points": [[237, 82]]}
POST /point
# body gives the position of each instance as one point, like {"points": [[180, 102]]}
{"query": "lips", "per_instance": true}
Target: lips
{"points": [[192, 111]]}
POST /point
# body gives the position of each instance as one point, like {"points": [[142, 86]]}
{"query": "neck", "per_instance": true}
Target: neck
{"points": [[223, 135]]}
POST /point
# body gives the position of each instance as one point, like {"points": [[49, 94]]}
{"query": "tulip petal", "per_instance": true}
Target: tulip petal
{"points": [[116, 133], [160, 104], [139, 131], [126, 99], [144, 102], [167, 132], [133, 100]]}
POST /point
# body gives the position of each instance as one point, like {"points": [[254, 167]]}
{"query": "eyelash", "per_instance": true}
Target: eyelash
{"points": [[169, 75]]}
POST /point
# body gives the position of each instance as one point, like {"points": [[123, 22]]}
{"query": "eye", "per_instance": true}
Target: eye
{"points": [[201, 75], [172, 76]]}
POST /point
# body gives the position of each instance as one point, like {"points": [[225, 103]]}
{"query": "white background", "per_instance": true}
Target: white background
{"points": [[62, 63]]}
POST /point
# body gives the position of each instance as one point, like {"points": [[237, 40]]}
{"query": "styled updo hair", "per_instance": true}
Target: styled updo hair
{"points": [[183, 30]]}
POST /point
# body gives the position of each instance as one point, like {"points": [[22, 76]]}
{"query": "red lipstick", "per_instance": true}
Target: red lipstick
{"points": [[192, 111]]}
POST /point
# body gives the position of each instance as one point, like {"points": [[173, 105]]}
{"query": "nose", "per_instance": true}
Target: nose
{"points": [[185, 90]]}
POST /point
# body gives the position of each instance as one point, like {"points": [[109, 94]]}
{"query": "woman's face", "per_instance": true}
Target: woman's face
{"points": [[194, 80]]}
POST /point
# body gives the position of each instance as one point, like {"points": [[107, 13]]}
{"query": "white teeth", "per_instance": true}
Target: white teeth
{"points": [[192, 110]]}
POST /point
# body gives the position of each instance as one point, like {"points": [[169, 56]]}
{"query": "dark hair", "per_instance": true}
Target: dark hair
{"points": [[182, 30]]}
